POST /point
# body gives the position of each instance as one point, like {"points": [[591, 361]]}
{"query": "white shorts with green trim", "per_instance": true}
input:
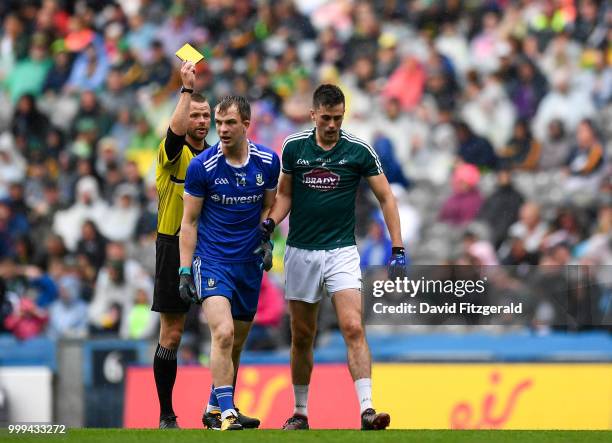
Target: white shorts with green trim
{"points": [[308, 274]]}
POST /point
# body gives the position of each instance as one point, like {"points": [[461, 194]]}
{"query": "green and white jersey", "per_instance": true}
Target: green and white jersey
{"points": [[324, 188]]}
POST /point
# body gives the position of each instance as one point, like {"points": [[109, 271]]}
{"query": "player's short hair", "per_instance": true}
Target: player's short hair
{"points": [[241, 103], [198, 98], [327, 95]]}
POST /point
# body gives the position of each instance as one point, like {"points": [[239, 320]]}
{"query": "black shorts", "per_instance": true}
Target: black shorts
{"points": [[167, 261]]}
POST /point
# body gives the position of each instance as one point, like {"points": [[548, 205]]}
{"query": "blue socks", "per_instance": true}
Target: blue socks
{"points": [[213, 404], [225, 398]]}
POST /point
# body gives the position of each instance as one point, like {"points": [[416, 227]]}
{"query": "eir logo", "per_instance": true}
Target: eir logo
{"points": [[321, 179]]}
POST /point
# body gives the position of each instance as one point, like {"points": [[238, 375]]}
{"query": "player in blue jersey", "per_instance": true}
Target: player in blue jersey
{"points": [[229, 190]]}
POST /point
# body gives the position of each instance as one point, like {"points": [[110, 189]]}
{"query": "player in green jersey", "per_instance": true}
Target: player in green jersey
{"points": [[321, 170]]}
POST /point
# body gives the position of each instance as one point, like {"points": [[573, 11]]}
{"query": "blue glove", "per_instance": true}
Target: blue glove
{"points": [[187, 289], [397, 263]]}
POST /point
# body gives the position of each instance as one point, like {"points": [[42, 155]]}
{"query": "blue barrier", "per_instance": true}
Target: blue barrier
{"points": [[32, 352], [520, 346]]}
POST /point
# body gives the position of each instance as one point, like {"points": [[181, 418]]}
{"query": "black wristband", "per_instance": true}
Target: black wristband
{"points": [[187, 90], [269, 225], [398, 250]]}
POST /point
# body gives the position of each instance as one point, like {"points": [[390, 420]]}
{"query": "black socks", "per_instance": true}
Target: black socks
{"points": [[164, 370]]}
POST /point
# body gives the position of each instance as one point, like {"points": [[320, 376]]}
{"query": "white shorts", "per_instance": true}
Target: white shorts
{"points": [[308, 273]]}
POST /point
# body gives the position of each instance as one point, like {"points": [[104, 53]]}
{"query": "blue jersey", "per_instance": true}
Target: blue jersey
{"points": [[233, 199]]}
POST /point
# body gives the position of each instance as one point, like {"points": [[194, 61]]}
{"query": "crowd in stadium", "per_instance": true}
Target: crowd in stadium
{"points": [[491, 118]]}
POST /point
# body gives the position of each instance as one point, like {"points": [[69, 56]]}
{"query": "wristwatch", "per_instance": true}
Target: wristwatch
{"points": [[187, 90]]}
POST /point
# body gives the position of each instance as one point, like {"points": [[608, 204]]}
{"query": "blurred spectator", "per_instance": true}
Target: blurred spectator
{"points": [[441, 81], [116, 288], [403, 133], [8, 303], [474, 149], [88, 206], [13, 43], [297, 105], [12, 225], [28, 281], [514, 253], [115, 96], [140, 36], [92, 244], [488, 111], [522, 151], [407, 83], [587, 20], [555, 146], [89, 69], [159, 68], [29, 126], [91, 116], [528, 89], [566, 229], [53, 251], [68, 314], [139, 322], [268, 127], [586, 160], [176, 30], [598, 247], [60, 71], [143, 146], [43, 211], [464, 203], [108, 156], [478, 250], [561, 55], [133, 178], [29, 74], [563, 103], [12, 164], [122, 129], [453, 44], [33, 188], [529, 228], [387, 59], [501, 209], [488, 45], [113, 178], [120, 219], [79, 36], [27, 320], [599, 80]]}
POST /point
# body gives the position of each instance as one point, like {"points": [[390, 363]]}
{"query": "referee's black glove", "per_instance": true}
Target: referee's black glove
{"points": [[187, 289], [266, 228], [265, 250]]}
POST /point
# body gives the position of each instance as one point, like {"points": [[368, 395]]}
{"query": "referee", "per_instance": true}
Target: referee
{"points": [[185, 139]]}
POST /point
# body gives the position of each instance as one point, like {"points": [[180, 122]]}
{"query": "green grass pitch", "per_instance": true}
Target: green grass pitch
{"points": [[321, 436]]}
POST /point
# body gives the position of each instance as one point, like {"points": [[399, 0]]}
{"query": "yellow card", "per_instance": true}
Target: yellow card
{"points": [[189, 54]]}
